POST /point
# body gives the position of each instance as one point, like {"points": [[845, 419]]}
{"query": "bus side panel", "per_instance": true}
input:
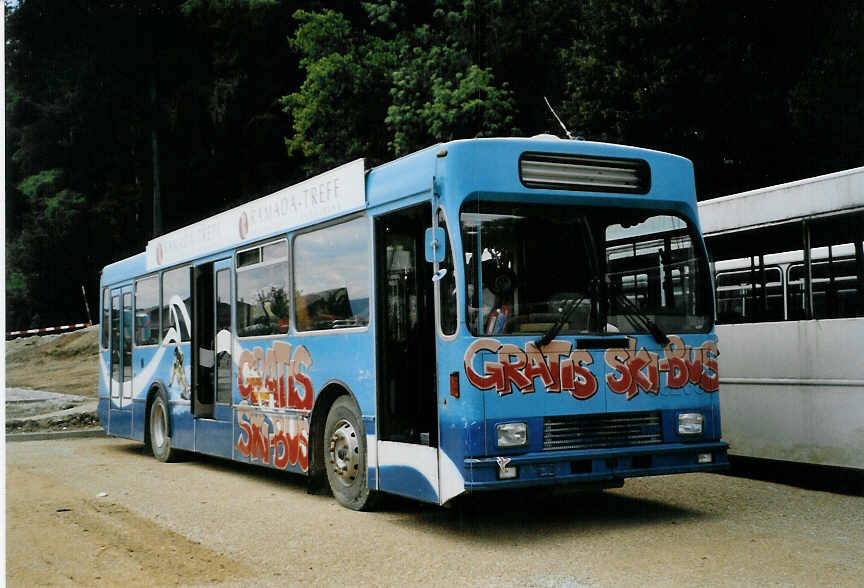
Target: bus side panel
{"points": [[799, 397], [104, 394], [145, 368], [179, 385], [278, 381], [460, 420]]}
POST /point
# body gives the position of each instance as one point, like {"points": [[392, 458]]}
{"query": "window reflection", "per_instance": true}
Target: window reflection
{"points": [[147, 311], [263, 305], [331, 277], [176, 302], [530, 267]]}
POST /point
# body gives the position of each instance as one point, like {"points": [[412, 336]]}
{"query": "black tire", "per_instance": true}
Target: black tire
{"points": [[159, 429], [344, 446]]}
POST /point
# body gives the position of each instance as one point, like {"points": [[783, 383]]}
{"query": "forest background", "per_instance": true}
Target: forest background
{"points": [[227, 100]]}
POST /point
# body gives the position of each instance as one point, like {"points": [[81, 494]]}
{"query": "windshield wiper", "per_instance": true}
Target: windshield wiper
{"points": [[593, 286], [553, 331], [631, 310]]}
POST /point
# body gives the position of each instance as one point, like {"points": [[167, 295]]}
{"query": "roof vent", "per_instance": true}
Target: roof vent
{"points": [[584, 173]]}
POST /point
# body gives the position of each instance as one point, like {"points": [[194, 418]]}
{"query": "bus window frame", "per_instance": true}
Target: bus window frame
{"points": [[697, 244], [438, 305], [259, 264], [691, 229], [105, 326], [164, 332], [370, 274], [828, 261], [747, 270], [158, 277]]}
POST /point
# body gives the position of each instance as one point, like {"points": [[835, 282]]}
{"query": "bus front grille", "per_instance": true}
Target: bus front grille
{"points": [[596, 431]]}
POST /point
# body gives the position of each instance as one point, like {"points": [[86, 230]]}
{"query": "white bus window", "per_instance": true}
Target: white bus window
{"points": [[331, 277], [835, 289], [147, 311], [263, 305], [739, 296]]}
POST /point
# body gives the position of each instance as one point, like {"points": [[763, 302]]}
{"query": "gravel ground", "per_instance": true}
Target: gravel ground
{"points": [[102, 512]]}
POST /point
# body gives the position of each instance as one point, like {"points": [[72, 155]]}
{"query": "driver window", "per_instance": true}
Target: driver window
{"points": [[526, 269]]}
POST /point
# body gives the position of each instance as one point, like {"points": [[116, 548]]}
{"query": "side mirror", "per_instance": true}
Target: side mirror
{"points": [[436, 245]]}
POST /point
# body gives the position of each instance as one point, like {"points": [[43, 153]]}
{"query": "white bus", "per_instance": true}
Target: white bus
{"points": [[789, 275]]}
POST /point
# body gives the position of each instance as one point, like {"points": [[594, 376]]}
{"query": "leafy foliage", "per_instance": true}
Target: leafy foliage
{"points": [[242, 97], [421, 82]]}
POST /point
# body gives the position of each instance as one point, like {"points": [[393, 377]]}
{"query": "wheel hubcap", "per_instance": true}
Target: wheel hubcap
{"points": [[345, 452], [157, 434]]}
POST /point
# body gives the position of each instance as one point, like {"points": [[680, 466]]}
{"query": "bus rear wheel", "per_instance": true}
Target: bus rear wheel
{"points": [[345, 456], [160, 438]]}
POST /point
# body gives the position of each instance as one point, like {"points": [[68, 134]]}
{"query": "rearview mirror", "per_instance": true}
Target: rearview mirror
{"points": [[436, 245]]}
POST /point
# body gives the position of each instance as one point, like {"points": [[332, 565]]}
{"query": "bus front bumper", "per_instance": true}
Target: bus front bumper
{"points": [[592, 466]]}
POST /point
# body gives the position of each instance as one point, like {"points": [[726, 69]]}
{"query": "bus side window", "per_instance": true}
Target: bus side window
{"points": [[331, 277], [447, 286], [223, 328], [106, 317], [176, 302], [739, 296], [834, 289], [147, 311], [263, 304]]}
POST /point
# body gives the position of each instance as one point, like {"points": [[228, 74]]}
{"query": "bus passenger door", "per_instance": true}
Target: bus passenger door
{"points": [[407, 419], [120, 349], [211, 357]]}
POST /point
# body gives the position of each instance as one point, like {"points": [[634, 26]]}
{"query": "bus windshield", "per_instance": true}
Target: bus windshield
{"points": [[534, 267]]}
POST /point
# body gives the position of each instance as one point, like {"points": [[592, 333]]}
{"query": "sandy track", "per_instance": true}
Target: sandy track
{"points": [[207, 521]]}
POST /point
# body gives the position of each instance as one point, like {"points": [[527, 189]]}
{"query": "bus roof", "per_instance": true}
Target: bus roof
{"points": [[824, 195]]}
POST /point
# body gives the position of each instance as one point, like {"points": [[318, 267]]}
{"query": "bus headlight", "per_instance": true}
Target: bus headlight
{"points": [[512, 434], [690, 423]]}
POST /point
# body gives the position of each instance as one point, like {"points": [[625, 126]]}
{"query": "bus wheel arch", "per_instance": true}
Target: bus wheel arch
{"points": [[155, 389], [336, 396], [323, 402], [345, 455]]}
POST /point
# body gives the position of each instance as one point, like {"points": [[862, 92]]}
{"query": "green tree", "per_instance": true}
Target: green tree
{"points": [[438, 94], [827, 102], [377, 89], [706, 80], [339, 109], [80, 81]]}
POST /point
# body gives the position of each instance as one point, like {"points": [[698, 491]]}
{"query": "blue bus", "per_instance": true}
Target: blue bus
{"points": [[479, 315]]}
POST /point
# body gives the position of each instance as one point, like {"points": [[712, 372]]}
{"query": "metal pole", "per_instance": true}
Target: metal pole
{"points": [[808, 272], [832, 300], [764, 297], [752, 315], [859, 262], [86, 305]]}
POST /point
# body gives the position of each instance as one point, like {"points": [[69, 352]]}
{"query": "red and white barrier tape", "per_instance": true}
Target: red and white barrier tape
{"points": [[47, 330]]}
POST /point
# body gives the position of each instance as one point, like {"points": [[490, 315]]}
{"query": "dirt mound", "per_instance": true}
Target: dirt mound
{"points": [[59, 363], [59, 422]]}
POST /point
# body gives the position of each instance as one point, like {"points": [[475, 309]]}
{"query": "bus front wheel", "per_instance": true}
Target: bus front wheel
{"points": [[345, 456], [160, 438]]}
